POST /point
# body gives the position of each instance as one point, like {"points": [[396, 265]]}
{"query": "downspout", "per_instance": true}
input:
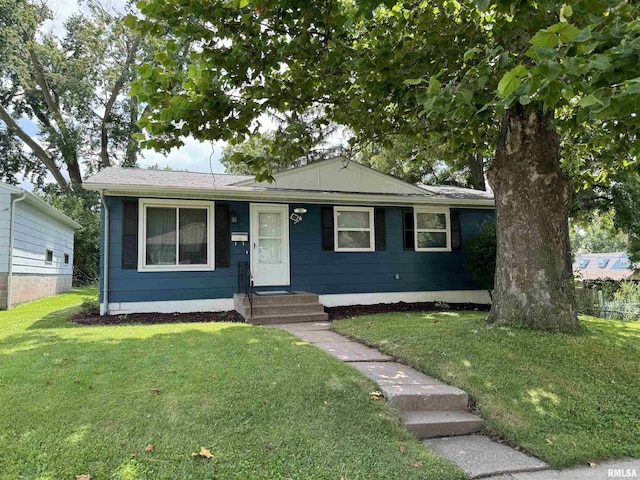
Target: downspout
{"points": [[11, 242], [104, 306]]}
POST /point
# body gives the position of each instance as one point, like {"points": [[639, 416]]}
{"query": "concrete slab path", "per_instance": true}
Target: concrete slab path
{"points": [[408, 389]]}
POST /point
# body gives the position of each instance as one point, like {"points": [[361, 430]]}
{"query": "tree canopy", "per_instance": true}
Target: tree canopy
{"points": [[73, 89]]}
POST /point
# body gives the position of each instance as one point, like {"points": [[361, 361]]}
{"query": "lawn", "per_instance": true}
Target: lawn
{"points": [[78, 400], [565, 398]]}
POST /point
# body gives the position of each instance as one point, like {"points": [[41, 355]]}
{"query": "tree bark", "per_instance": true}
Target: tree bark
{"points": [[476, 166], [534, 280]]}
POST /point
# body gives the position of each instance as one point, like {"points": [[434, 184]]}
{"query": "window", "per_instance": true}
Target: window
{"points": [[175, 235], [584, 262], [432, 230], [49, 256], [353, 229], [624, 262], [602, 262], [66, 259]]}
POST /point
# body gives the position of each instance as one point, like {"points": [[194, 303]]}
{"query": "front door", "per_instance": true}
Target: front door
{"points": [[269, 244]]}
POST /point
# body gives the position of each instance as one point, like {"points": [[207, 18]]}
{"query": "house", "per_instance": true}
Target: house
{"points": [[604, 266], [36, 247], [348, 234]]}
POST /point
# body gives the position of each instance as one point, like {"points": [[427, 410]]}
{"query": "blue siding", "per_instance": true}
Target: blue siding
{"points": [[312, 269]]}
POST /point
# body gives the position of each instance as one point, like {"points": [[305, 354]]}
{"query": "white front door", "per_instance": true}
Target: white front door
{"points": [[269, 244]]}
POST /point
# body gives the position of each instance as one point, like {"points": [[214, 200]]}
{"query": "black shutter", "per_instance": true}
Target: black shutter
{"points": [[407, 230], [130, 234], [381, 230], [456, 237], [223, 243], [327, 228]]}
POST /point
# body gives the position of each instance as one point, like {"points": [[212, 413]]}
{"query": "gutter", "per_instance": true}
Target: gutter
{"points": [[104, 306], [11, 242]]}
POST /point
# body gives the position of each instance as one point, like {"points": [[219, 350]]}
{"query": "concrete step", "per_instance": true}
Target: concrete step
{"points": [[412, 398], [297, 297], [283, 309], [431, 424], [288, 318]]}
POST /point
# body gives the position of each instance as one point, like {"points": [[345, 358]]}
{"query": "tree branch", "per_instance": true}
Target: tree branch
{"points": [[38, 151], [117, 88]]}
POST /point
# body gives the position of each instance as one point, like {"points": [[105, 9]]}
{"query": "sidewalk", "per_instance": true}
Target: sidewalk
{"points": [[431, 408]]}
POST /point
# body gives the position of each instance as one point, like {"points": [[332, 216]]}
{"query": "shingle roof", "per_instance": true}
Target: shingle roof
{"points": [[611, 270], [162, 178]]}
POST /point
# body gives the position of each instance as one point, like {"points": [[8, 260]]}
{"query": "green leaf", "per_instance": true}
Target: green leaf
{"points": [[511, 80], [550, 70], [565, 12], [588, 101], [469, 54], [434, 85], [600, 62], [566, 31], [524, 100], [544, 39], [412, 81]]}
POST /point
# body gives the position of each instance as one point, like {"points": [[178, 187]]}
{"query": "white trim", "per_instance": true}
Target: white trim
{"points": [[172, 306], [447, 231], [449, 296], [264, 194], [286, 250], [144, 203], [371, 228]]}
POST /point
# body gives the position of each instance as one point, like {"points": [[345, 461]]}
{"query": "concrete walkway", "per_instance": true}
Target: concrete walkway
{"points": [[431, 408]]}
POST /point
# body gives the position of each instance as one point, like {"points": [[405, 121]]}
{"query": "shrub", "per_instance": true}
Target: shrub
{"points": [[90, 306], [481, 255]]}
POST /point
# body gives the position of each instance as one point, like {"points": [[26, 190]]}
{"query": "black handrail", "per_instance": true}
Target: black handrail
{"points": [[245, 283]]}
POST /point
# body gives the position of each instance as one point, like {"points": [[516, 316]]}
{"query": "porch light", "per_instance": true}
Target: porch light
{"points": [[300, 210], [234, 216]]}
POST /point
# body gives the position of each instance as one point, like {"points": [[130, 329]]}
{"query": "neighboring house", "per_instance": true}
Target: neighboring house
{"points": [[36, 247], [604, 266], [175, 241]]}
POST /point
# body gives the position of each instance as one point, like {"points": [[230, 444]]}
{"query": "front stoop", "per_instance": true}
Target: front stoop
{"points": [[292, 307]]}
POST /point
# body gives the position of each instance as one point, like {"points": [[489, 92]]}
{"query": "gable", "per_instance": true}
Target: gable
{"points": [[337, 175]]}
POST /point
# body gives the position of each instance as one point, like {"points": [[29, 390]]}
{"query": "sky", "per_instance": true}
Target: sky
{"points": [[193, 156]]}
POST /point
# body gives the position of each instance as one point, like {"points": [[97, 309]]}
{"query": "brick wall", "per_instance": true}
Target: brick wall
{"points": [[3, 290], [31, 287]]}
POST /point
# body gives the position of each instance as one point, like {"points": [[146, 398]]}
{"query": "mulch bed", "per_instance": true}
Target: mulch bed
{"points": [[336, 313], [150, 318]]}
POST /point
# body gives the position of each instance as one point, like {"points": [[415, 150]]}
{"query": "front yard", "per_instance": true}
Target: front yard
{"points": [[78, 400], [565, 398]]}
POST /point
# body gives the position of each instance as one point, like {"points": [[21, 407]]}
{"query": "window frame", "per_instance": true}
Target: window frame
{"points": [[447, 229], [46, 256], [371, 229], [625, 262], [144, 204], [67, 259]]}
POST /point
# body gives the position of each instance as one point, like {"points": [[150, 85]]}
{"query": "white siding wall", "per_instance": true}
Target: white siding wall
{"points": [[35, 232], [5, 220]]}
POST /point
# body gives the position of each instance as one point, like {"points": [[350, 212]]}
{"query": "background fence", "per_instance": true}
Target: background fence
{"points": [[590, 301]]}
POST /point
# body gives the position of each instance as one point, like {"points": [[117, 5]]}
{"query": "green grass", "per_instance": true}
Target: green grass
{"points": [[77, 400], [565, 398]]}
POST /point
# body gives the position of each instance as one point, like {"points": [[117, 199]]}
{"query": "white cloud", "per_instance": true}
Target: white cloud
{"points": [[194, 156]]}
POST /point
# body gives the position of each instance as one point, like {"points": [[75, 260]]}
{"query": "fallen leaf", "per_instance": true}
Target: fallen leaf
{"points": [[375, 395], [402, 449], [548, 441], [437, 321], [417, 465], [48, 382], [155, 391], [76, 380], [148, 448], [202, 453], [86, 476], [593, 464], [268, 447], [133, 454], [90, 387]]}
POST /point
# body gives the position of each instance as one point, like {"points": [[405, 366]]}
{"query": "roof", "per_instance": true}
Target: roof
{"points": [[41, 205], [327, 181], [595, 266]]}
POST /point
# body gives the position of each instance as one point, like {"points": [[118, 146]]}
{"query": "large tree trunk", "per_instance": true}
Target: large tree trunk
{"points": [[534, 284]]}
